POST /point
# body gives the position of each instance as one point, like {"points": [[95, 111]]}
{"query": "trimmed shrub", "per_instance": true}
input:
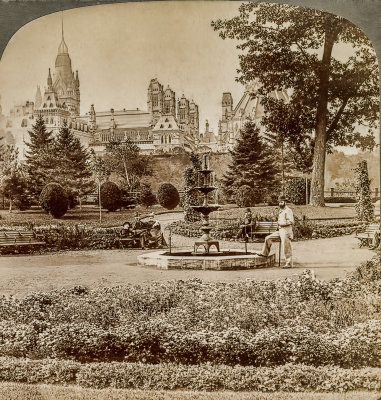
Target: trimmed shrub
{"points": [[54, 200], [168, 196], [287, 378], [22, 202], [147, 197], [245, 196], [110, 196], [364, 206], [295, 189], [337, 199]]}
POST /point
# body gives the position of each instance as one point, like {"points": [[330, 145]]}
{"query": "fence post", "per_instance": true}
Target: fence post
{"points": [[332, 190]]}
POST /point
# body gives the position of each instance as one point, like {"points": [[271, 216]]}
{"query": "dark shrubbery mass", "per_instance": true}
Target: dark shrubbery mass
{"points": [[110, 196], [54, 200], [147, 197], [245, 196], [168, 196]]}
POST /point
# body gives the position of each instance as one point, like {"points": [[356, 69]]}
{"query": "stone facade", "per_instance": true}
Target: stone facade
{"points": [[248, 108]]}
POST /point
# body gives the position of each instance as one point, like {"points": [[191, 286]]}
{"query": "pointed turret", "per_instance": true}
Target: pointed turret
{"points": [[38, 98], [50, 81]]}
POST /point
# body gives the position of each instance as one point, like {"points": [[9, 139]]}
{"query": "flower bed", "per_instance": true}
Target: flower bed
{"points": [[256, 323], [303, 228], [68, 236], [290, 377]]}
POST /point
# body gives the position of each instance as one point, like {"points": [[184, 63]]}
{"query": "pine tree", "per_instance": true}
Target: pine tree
{"points": [[253, 164], [39, 163], [72, 167]]}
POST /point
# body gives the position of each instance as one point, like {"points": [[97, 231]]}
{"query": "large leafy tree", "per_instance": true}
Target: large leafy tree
{"points": [[292, 47], [123, 158], [72, 164], [253, 164], [40, 161]]}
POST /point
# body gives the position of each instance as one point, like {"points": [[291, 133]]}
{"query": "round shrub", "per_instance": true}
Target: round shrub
{"points": [[168, 196], [110, 196], [245, 196], [147, 197], [54, 200]]}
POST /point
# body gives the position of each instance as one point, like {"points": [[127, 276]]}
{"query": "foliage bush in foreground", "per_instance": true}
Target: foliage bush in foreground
{"points": [[54, 200], [289, 377], [250, 323]]}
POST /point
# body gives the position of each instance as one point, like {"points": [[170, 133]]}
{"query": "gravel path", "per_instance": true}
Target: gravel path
{"points": [[20, 275]]}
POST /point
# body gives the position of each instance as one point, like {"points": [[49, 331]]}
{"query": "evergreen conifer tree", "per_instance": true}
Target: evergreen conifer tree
{"points": [[39, 163], [253, 164], [72, 167]]}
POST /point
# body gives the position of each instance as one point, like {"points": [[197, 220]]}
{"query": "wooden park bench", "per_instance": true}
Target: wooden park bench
{"points": [[262, 229], [366, 237], [11, 239]]}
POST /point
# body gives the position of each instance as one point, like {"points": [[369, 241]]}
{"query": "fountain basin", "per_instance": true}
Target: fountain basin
{"points": [[224, 260]]}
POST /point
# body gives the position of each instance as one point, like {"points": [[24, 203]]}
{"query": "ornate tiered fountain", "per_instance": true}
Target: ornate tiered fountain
{"points": [[216, 259], [205, 209]]}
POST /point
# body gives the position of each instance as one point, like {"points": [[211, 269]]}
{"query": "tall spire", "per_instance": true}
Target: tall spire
{"points": [[50, 81], [62, 49]]}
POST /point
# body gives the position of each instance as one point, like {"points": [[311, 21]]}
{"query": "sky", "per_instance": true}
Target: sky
{"points": [[118, 48]]}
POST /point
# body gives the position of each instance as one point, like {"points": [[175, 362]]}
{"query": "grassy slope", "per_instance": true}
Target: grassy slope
{"points": [[299, 211], [88, 215], [14, 391]]}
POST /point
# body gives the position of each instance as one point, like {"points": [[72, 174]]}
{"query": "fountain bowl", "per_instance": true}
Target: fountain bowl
{"points": [[223, 260]]}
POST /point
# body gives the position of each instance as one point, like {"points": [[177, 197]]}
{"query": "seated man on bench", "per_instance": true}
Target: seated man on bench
{"points": [[284, 233], [155, 237], [248, 225]]}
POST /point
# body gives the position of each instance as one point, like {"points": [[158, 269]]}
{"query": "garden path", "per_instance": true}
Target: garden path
{"points": [[20, 275]]}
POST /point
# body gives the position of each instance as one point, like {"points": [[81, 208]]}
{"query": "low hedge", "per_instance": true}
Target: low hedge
{"points": [[338, 199], [204, 377]]}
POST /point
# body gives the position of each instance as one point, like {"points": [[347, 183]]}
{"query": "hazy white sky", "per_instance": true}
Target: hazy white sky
{"points": [[118, 48]]}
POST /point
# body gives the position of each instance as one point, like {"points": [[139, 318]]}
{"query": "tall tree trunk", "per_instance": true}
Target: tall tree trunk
{"points": [[317, 181]]}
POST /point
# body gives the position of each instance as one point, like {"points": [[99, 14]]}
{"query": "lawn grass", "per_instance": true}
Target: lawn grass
{"points": [[16, 391], [88, 215], [299, 211]]}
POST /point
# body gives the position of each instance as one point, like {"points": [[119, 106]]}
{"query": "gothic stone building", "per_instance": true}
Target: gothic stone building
{"points": [[166, 126], [248, 108]]}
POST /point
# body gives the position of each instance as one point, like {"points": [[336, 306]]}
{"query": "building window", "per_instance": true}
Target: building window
{"points": [[155, 100], [51, 105], [48, 97], [169, 139], [24, 122], [51, 121], [44, 106], [162, 140]]}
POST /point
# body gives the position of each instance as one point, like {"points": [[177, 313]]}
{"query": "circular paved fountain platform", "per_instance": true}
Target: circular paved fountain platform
{"points": [[229, 260]]}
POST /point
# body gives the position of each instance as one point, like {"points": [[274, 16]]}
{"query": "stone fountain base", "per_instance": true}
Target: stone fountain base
{"points": [[225, 260]]}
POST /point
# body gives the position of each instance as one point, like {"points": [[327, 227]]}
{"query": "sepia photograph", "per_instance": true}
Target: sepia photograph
{"points": [[189, 201]]}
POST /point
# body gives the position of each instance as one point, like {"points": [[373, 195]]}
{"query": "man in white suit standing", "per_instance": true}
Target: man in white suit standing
{"points": [[284, 233]]}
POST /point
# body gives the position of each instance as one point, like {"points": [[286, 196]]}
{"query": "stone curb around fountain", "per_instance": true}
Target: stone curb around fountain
{"points": [[163, 260]]}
